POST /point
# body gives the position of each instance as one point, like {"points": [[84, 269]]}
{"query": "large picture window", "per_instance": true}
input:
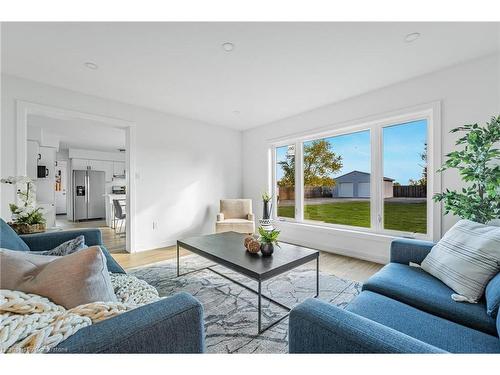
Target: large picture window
{"points": [[405, 188], [337, 179], [373, 177]]}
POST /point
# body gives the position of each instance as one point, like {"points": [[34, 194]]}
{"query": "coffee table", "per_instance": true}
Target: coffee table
{"points": [[227, 249]]}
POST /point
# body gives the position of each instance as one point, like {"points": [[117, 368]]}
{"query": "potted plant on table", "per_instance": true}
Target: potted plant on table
{"points": [[267, 240], [26, 216], [478, 165]]}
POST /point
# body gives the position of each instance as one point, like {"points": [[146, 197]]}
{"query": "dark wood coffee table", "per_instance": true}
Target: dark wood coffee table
{"points": [[227, 249]]}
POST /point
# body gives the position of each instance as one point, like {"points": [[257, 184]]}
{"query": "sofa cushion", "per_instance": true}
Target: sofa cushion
{"points": [[415, 287], [10, 239], [69, 281], [466, 259], [492, 296], [422, 326]]}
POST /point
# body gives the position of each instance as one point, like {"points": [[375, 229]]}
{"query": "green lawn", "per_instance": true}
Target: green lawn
{"points": [[408, 217]]}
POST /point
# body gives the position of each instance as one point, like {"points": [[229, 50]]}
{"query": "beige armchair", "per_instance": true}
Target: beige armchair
{"points": [[235, 215]]}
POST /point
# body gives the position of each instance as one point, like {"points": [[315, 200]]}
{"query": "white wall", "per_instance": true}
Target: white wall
{"points": [[183, 166], [468, 92]]}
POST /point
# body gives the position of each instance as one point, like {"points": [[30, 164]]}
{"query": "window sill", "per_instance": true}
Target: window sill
{"points": [[347, 231]]}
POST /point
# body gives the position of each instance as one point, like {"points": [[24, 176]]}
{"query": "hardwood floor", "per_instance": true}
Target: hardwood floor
{"points": [[115, 243], [338, 265]]}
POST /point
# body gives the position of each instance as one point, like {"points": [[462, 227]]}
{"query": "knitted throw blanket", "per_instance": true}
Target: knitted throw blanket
{"points": [[32, 324]]}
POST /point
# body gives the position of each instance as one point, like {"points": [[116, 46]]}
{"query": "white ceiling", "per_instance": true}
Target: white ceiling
{"points": [[275, 70], [81, 134]]}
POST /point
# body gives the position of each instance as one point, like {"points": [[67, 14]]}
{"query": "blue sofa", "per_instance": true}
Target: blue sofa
{"points": [[401, 309], [171, 325]]}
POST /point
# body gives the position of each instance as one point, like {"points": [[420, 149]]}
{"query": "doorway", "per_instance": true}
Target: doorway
{"points": [[61, 182]]}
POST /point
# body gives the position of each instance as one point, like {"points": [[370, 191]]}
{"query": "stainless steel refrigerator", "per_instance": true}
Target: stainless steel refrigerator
{"points": [[88, 195]]}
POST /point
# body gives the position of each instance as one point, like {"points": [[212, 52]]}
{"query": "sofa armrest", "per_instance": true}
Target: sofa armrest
{"points": [[251, 217], [170, 325], [220, 216], [50, 240], [319, 327], [404, 250]]}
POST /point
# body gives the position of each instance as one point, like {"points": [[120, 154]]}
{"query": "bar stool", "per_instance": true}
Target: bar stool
{"points": [[119, 214]]}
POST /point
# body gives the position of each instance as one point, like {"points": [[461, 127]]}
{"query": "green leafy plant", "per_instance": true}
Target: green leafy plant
{"points": [[269, 236], [478, 165]]}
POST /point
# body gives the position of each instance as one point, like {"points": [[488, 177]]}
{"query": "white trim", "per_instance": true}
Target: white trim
{"points": [[431, 112], [24, 108]]}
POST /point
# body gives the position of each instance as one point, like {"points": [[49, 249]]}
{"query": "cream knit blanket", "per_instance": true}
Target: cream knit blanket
{"points": [[32, 324]]}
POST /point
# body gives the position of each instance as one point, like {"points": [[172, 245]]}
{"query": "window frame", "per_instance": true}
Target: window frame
{"points": [[429, 112]]}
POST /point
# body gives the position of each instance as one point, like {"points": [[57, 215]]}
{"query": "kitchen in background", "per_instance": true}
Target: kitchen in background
{"points": [[78, 175]]}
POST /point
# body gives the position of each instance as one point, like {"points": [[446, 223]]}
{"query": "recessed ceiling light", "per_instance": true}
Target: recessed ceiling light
{"points": [[412, 37], [228, 46], [91, 65]]}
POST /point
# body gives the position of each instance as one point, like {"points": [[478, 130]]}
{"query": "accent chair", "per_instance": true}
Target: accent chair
{"points": [[235, 216]]}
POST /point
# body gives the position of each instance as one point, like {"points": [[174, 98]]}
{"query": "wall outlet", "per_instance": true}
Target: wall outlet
{"points": [[155, 225]]}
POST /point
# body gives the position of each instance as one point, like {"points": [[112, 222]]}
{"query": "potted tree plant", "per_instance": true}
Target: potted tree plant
{"points": [[26, 216], [478, 165]]}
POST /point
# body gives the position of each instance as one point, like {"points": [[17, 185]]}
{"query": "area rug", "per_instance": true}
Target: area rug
{"points": [[231, 311]]}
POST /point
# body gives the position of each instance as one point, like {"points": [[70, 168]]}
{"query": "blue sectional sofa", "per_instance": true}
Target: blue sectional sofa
{"points": [[171, 325], [401, 309]]}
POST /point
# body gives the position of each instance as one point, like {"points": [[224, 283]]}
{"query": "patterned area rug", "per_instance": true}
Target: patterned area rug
{"points": [[231, 311]]}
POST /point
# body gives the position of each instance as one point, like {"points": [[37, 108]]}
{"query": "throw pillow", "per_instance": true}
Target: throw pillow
{"points": [[465, 259], [66, 248], [69, 281]]}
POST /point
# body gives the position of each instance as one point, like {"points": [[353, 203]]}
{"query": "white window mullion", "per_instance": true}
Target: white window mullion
{"points": [[299, 182], [376, 178]]}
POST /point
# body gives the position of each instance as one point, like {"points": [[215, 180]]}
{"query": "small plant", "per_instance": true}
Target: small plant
{"points": [[27, 211], [478, 165], [269, 237], [266, 197]]}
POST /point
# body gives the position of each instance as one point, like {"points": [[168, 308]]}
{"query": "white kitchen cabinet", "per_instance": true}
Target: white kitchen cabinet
{"points": [[79, 164], [119, 168], [103, 165], [33, 150]]}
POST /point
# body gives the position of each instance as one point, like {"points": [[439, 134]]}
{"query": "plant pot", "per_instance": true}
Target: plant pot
{"points": [[266, 249], [27, 228]]}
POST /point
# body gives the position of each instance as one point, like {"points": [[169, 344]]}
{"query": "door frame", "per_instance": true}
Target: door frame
{"points": [[24, 108]]}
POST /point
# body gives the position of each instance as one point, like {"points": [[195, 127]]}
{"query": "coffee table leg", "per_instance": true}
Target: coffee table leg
{"points": [[317, 277], [260, 306], [177, 260]]}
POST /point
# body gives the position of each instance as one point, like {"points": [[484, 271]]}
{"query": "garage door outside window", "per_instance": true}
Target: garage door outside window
{"points": [[346, 190], [364, 190]]}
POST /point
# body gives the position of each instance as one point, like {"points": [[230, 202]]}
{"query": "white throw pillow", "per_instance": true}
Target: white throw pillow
{"points": [[465, 259]]}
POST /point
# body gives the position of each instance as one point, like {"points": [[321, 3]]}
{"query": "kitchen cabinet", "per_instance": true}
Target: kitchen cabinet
{"points": [[103, 165], [118, 168], [79, 164], [33, 150]]}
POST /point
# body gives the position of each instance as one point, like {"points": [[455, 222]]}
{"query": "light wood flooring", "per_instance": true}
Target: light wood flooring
{"points": [[115, 243], [339, 265]]}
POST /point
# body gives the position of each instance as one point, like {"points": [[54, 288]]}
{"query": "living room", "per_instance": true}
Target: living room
{"points": [[281, 197]]}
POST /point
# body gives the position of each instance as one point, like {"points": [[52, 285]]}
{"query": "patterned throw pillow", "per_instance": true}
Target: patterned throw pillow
{"points": [[66, 248], [465, 259]]}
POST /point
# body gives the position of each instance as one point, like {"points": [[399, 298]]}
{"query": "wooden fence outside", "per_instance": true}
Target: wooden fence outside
{"points": [[288, 192], [409, 191]]}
